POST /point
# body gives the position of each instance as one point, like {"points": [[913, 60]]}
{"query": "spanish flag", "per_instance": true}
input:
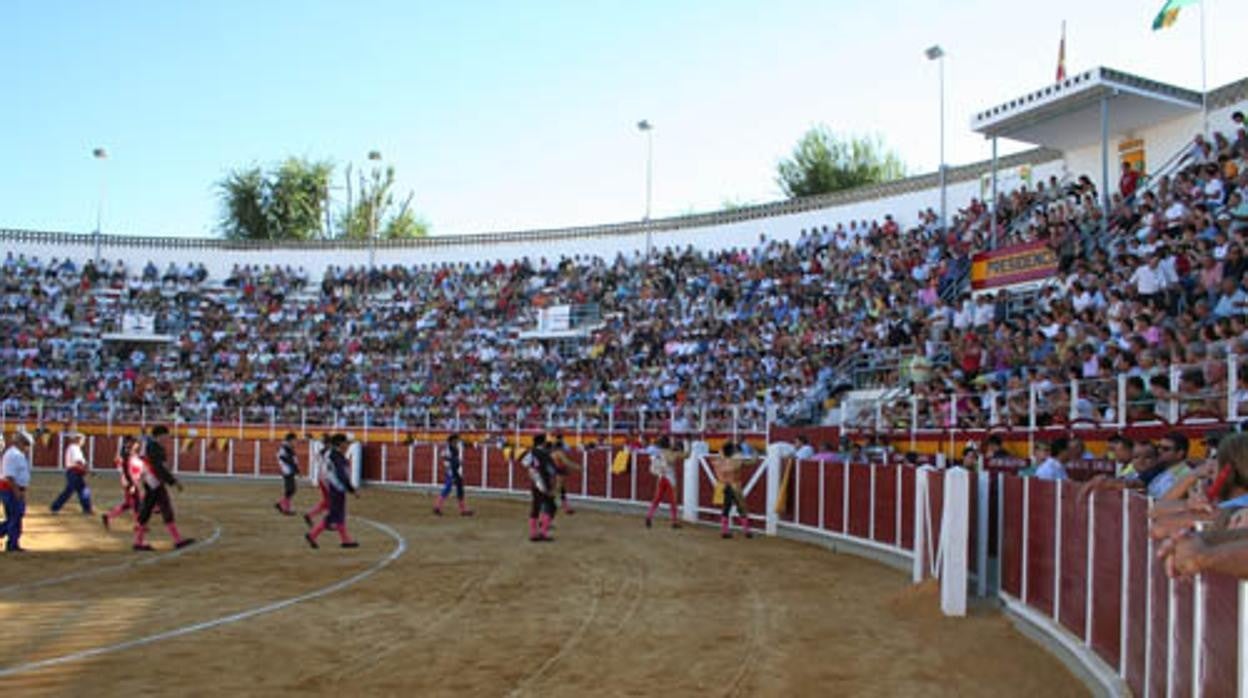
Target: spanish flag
{"points": [[1170, 12]]}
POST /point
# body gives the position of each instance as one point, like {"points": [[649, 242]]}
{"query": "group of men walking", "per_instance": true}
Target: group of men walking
{"points": [[145, 479], [144, 475]]}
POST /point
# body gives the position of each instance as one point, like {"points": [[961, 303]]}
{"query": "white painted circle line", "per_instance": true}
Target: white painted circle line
{"points": [[120, 567], [399, 549]]}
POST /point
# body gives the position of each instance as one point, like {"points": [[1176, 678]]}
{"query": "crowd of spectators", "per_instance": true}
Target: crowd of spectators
{"points": [[751, 328], [1155, 292], [763, 329]]}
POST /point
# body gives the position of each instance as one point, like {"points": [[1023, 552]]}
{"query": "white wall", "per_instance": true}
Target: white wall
{"points": [[1161, 141], [903, 207]]}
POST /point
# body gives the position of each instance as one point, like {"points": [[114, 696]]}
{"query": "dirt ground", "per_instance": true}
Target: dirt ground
{"points": [[470, 607]]}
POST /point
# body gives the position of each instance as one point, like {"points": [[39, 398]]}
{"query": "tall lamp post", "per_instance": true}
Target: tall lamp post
{"points": [[101, 155], [936, 53], [374, 156], [647, 128]]}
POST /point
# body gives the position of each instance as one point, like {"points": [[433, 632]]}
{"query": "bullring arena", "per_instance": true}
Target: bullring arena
{"points": [[974, 415]]}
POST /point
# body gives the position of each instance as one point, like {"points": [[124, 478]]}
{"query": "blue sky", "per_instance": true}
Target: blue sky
{"points": [[512, 115]]}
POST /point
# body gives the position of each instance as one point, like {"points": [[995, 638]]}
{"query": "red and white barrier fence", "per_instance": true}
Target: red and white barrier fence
{"points": [[1081, 571], [1085, 570]]}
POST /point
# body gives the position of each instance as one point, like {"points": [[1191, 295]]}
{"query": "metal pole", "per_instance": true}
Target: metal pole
{"points": [[993, 207], [372, 241], [646, 127], [1204, 85], [649, 172], [944, 222], [101, 155], [1232, 387], [1104, 164], [373, 207]]}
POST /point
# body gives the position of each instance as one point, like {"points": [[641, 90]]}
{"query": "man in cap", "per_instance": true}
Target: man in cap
{"points": [[75, 476]]}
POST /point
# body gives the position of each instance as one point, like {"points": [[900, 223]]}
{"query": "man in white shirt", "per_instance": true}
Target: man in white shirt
{"points": [[804, 450], [1231, 300], [1149, 281], [1050, 467], [984, 311], [14, 479], [1175, 212], [76, 469]]}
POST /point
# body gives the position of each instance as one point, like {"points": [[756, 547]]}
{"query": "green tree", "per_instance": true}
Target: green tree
{"points": [[243, 205], [286, 203], [299, 194], [376, 206], [823, 162]]}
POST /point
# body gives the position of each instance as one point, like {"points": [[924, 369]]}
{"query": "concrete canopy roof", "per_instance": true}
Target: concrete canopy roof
{"points": [[1067, 115]]}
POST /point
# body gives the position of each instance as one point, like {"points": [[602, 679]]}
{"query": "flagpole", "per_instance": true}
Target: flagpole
{"points": [[1204, 85], [1061, 55]]}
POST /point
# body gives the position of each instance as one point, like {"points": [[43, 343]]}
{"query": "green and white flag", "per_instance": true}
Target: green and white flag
{"points": [[1170, 12]]}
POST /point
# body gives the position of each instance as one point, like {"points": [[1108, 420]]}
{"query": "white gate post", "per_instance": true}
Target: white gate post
{"points": [[954, 531], [692, 480], [981, 534], [921, 534], [773, 465], [1243, 638]]}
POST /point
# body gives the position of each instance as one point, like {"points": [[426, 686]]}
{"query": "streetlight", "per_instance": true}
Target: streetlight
{"points": [[375, 156], [647, 128], [936, 53], [101, 155]]}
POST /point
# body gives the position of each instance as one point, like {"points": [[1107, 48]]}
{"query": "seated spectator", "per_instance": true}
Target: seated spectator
{"points": [[1224, 547], [1048, 455], [804, 450]]}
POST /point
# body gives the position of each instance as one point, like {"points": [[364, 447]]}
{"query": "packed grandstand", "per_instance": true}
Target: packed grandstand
{"points": [[1151, 289], [1055, 330]]}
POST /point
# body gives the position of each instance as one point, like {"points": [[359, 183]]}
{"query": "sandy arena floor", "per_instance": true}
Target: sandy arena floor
{"points": [[468, 606]]}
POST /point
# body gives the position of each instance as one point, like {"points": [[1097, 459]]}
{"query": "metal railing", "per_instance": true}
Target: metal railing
{"points": [[750, 420], [1100, 402]]}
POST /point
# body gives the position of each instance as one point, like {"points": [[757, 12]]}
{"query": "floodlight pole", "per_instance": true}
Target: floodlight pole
{"points": [[936, 53], [944, 221], [375, 156], [647, 128], [101, 155]]}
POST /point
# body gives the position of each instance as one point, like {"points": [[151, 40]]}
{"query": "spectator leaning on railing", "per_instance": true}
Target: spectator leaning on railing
{"points": [[1223, 546]]}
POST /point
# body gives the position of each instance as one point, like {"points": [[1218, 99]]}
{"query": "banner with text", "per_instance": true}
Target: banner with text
{"points": [[1016, 264]]}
